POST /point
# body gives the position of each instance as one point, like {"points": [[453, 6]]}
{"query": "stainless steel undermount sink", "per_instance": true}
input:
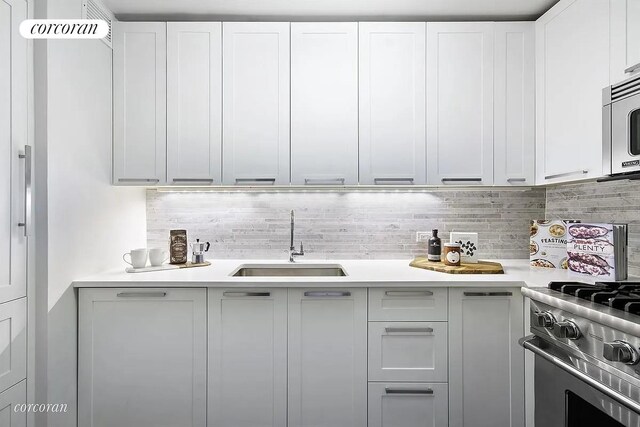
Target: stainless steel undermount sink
{"points": [[289, 270]]}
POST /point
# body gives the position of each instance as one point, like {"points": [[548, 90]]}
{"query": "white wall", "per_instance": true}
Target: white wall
{"points": [[89, 222]]}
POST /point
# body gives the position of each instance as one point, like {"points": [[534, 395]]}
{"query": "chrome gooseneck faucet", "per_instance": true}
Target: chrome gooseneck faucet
{"points": [[292, 249]]}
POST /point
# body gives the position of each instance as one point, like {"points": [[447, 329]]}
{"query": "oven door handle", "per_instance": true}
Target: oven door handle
{"points": [[529, 342]]}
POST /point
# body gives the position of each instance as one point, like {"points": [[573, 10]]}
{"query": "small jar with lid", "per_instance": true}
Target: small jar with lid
{"points": [[452, 254]]}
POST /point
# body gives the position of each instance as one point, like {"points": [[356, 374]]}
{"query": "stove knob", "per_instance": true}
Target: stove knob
{"points": [[620, 351], [566, 329], [544, 319]]}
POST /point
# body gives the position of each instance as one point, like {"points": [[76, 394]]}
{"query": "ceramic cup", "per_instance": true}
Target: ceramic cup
{"points": [[138, 258], [157, 256]]}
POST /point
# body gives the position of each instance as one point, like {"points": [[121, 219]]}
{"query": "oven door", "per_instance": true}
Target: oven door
{"points": [[625, 135], [570, 392]]}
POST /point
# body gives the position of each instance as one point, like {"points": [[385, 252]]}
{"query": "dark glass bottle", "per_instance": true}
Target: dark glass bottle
{"points": [[435, 247]]}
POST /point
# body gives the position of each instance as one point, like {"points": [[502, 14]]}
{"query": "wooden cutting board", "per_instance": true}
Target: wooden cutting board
{"points": [[166, 267], [482, 267]]}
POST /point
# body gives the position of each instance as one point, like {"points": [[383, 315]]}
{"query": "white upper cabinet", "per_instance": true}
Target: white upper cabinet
{"points": [[460, 103], [194, 102], [255, 102], [139, 102], [572, 68], [324, 103], [392, 103], [514, 104], [625, 39]]}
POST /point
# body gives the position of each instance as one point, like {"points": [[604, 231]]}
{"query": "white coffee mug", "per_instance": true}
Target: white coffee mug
{"points": [[157, 256], [138, 258]]}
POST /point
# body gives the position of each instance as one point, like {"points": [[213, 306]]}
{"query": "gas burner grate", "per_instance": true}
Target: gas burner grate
{"points": [[619, 295]]}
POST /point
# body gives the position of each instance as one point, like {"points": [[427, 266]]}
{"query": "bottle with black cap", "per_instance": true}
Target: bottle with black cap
{"points": [[435, 247]]}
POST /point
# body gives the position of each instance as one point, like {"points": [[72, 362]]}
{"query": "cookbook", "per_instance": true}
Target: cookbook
{"points": [[598, 250], [548, 243]]}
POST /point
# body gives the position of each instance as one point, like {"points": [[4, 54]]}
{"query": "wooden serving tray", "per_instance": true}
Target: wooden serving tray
{"points": [[166, 267], [482, 267]]}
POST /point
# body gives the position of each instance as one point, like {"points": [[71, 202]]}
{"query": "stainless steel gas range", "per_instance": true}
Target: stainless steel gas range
{"points": [[586, 341]]}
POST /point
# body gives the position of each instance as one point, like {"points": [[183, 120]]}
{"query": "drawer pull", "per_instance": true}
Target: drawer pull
{"points": [[397, 330], [395, 390], [516, 179], [141, 295], [246, 294], [408, 293], [560, 175], [258, 181], [488, 294], [324, 181], [141, 180], [327, 294], [445, 180], [406, 181], [205, 180]]}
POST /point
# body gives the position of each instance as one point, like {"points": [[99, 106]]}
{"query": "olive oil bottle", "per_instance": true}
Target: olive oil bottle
{"points": [[435, 247]]}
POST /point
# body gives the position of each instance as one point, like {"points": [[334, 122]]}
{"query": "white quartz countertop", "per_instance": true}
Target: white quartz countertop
{"points": [[360, 273]]}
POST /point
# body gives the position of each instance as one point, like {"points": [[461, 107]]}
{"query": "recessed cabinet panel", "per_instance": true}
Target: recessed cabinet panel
{"points": [[9, 400], [392, 103], [13, 342], [408, 351], [625, 39], [139, 102], [407, 405], [408, 304], [324, 103], [194, 103], [255, 103]]}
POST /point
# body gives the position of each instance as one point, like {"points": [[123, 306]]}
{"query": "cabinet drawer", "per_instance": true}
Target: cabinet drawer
{"points": [[408, 405], [415, 351], [408, 304]]}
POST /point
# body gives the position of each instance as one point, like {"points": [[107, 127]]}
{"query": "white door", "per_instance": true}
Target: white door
{"points": [[142, 357], [12, 413], [407, 405], [572, 68], [139, 102], [324, 103], [13, 342], [460, 103], [327, 357], [247, 358], [625, 39], [514, 104], [13, 139], [194, 103], [486, 364], [255, 93], [392, 103]]}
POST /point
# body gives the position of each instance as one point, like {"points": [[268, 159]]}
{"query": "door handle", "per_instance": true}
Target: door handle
{"points": [[139, 180], [259, 181], [488, 294], [392, 330], [324, 181], [461, 180], [392, 180], [327, 294], [27, 190], [633, 68], [516, 179], [408, 293], [141, 294], [560, 175], [246, 294], [187, 180], [397, 390]]}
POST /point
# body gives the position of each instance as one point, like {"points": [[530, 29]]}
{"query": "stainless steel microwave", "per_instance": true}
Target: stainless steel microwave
{"points": [[621, 128]]}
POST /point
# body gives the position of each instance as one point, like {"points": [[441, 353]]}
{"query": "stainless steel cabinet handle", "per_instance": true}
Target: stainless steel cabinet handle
{"points": [[488, 294], [143, 180], [210, 180], [392, 330], [27, 190], [461, 180], [141, 294], [633, 68], [516, 179], [261, 181], [392, 180], [246, 294], [327, 294], [394, 390], [324, 181], [560, 175], [408, 293], [530, 343]]}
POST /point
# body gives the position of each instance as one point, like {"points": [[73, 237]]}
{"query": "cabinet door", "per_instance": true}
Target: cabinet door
{"points": [[460, 103], [407, 405], [486, 364], [11, 409], [324, 103], [142, 357], [328, 357], [514, 104], [255, 93], [139, 102], [572, 68], [13, 138], [408, 304], [247, 358], [194, 103], [13, 342], [625, 39], [392, 103]]}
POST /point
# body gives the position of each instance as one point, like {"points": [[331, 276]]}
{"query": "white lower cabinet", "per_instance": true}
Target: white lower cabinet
{"points": [[13, 342], [486, 364], [407, 405], [142, 357], [247, 358], [327, 358], [10, 414]]}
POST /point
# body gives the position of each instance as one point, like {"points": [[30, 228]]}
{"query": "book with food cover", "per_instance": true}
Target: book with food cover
{"points": [[598, 250], [548, 243]]}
